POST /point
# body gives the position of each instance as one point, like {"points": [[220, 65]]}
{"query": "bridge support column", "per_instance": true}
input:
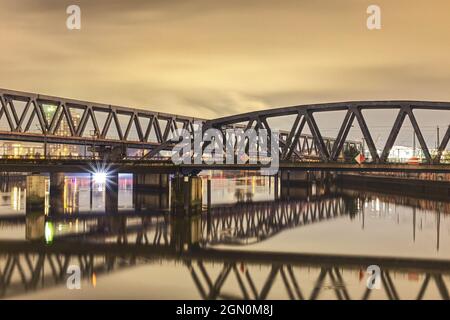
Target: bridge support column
{"points": [[186, 197], [151, 181], [150, 199], [35, 207], [294, 184], [112, 193], [150, 190], [186, 208], [294, 177], [56, 195]]}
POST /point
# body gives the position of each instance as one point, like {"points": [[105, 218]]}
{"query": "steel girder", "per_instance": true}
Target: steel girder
{"points": [[22, 109], [154, 130], [293, 142]]}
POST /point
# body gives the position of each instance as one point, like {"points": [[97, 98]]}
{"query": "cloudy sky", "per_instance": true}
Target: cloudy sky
{"points": [[214, 58]]}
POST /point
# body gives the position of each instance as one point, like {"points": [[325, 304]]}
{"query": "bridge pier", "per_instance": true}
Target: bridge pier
{"points": [[289, 178], [186, 209], [150, 199], [186, 195], [151, 190], [56, 195], [35, 207], [112, 193], [302, 184], [151, 181]]}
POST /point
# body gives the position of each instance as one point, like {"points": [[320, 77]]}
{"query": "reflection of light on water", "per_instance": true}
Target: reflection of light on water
{"points": [[49, 232], [15, 201], [46, 196], [375, 205], [94, 280], [70, 195]]}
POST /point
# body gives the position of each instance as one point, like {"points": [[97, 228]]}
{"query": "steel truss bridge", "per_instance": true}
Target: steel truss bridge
{"points": [[330, 152], [111, 126], [38, 118]]}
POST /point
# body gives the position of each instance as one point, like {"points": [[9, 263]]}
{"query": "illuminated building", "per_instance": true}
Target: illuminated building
{"points": [[63, 130], [17, 149]]}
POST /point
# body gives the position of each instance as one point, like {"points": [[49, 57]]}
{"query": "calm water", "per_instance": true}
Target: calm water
{"points": [[301, 243]]}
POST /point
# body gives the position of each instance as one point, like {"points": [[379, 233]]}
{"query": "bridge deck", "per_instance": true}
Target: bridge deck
{"points": [[136, 166]]}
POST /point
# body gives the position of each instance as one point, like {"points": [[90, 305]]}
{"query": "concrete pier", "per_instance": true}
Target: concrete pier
{"points": [[151, 181], [151, 191], [112, 193], [35, 207], [56, 193], [150, 200], [290, 178], [186, 195]]}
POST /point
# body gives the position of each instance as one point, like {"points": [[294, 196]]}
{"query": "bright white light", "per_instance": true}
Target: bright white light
{"points": [[99, 177]]}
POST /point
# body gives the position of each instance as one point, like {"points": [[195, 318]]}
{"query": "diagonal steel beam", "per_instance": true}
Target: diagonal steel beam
{"points": [[138, 126], [291, 135], [69, 119], [296, 139], [30, 120], [5, 110], [318, 139], [129, 125], [107, 124], [9, 101], [342, 135], [55, 119], [419, 135], [366, 133], [22, 117], [83, 122], [443, 145], [393, 134], [149, 128]]}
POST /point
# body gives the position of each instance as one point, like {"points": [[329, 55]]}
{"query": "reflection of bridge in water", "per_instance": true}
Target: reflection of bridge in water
{"points": [[254, 222], [236, 224], [101, 244], [418, 203], [29, 267]]}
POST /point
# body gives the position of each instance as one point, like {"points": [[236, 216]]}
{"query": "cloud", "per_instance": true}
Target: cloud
{"points": [[210, 59]]}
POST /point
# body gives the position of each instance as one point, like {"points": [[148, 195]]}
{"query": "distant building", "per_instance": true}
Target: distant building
{"points": [[63, 130], [401, 153], [18, 149]]}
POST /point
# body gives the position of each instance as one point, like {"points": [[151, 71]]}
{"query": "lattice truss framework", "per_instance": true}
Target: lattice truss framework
{"points": [[39, 118], [294, 143]]}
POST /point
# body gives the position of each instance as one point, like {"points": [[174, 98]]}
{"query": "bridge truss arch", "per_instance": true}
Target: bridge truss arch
{"points": [[329, 149]]}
